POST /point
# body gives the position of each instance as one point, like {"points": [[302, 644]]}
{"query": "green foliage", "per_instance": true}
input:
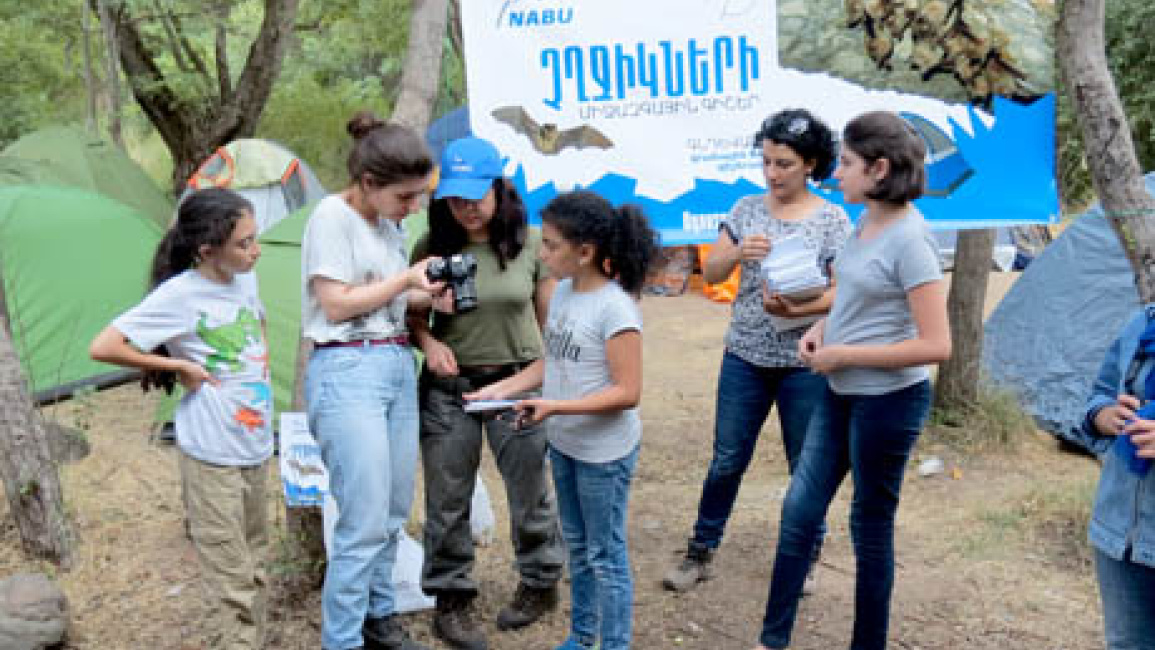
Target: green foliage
{"points": [[309, 118], [41, 67], [1131, 58]]}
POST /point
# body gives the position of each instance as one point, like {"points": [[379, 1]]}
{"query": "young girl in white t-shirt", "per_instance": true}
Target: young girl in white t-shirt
{"points": [[592, 382], [203, 324]]}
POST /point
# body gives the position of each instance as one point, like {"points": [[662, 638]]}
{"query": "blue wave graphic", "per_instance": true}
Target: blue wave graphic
{"points": [[1007, 188]]}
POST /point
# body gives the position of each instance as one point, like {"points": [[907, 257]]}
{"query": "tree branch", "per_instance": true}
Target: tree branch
{"points": [[241, 113], [224, 78], [1111, 157]]}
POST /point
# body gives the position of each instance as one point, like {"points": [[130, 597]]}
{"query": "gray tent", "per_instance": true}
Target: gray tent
{"points": [[1047, 337]]}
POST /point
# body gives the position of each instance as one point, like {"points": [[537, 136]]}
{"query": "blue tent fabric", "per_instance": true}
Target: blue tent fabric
{"points": [[447, 128], [1046, 339]]}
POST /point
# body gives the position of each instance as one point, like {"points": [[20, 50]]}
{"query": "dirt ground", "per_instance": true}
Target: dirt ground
{"points": [[991, 554]]}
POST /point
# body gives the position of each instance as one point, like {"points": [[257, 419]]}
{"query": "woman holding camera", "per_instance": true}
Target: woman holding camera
{"points": [[360, 388], [477, 211]]}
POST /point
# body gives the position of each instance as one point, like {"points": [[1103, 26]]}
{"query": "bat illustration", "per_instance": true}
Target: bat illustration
{"points": [[305, 469], [547, 138]]}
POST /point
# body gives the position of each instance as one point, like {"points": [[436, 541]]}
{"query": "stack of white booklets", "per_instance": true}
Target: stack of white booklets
{"points": [[791, 270]]}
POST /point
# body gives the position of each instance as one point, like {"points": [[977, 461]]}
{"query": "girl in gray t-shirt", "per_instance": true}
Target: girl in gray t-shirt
{"points": [[592, 382], [888, 322]]}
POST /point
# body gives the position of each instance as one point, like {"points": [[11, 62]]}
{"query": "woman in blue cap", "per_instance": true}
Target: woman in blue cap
{"points": [[476, 210]]}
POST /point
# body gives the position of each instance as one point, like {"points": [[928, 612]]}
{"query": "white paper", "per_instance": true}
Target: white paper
{"points": [[481, 405]]}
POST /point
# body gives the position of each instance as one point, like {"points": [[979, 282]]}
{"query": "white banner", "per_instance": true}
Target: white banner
{"points": [[656, 102]]}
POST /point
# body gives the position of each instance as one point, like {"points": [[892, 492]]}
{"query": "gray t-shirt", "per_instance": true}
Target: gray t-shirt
{"points": [[870, 306], [752, 336], [576, 332], [340, 244]]}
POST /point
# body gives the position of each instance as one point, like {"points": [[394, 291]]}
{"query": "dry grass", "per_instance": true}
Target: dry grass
{"points": [[988, 552]]}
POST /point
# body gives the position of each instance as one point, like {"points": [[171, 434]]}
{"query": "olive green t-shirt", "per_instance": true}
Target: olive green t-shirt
{"points": [[503, 328]]}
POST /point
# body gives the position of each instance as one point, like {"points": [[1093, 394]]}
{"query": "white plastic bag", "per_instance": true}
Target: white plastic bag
{"points": [[481, 518], [407, 594]]}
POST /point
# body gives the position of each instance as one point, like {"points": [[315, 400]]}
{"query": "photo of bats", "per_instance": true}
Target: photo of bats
{"points": [[547, 138]]}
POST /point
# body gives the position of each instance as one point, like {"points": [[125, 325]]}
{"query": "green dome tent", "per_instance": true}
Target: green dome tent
{"points": [[70, 261], [73, 157]]}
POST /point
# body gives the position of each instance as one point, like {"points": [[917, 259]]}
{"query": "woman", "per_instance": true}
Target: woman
{"points": [[476, 211], [1122, 433], [760, 365], [887, 324], [360, 384]]}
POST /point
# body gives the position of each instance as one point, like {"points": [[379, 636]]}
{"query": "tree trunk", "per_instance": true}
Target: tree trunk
{"points": [[957, 384], [29, 473], [112, 72], [89, 77], [304, 526], [193, 128], [421, 75], [1115, 170]]}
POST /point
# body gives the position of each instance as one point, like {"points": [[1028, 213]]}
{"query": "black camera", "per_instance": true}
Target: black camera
{"points": [[458, 271]]}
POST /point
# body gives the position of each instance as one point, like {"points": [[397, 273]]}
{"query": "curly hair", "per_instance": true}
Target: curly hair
{"points": [[807, 135], [625, 245]]}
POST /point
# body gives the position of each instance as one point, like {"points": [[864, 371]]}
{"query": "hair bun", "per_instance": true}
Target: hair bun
{"points": [[362, 124]]}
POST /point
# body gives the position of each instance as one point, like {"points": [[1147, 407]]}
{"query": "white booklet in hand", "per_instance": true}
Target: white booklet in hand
{"points": [[482, 405]]}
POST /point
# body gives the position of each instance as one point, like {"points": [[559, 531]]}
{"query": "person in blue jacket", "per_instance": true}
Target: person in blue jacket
{"points": [[1119, 426]]}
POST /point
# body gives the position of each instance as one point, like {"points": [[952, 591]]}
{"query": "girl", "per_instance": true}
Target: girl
{"points": [[887, 323], [360, 384], [592, 384], [760, 365], [208, 318], [478, 212], [1122, 434]]}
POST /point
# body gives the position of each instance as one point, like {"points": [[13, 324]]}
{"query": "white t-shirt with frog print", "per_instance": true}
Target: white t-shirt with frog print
{"points": [[218, 326]]}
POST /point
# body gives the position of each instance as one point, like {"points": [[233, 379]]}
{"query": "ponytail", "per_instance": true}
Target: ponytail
{"points": [[625, 244], [632, 249], [204, 218]]}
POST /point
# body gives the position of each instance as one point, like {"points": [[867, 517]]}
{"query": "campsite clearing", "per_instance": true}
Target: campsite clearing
{"points": [[990, 557]]}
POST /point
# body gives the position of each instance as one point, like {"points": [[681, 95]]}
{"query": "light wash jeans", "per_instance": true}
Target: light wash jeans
{"points": [[362, 405], [592, 501], [1128, 593]]}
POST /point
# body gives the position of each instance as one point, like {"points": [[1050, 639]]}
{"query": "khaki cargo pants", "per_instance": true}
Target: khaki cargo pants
{"points": [[229, 524]]}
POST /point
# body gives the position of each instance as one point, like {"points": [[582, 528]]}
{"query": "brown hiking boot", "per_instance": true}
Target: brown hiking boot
{"points": [[454, 624], [694, 568], [529, 603]]}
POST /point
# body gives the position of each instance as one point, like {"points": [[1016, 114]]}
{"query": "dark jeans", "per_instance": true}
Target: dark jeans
{"points": [[746, 393], [870, 436], [450, 453], [1128, 593]]}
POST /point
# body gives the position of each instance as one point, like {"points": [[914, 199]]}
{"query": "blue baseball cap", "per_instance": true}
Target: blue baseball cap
{"points": [[468, 168]]}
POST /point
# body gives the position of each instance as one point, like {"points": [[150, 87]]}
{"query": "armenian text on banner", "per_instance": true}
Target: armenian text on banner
{"points": [[656, 102]]}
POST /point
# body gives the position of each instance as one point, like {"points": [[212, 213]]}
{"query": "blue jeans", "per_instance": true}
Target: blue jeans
{"points": [[592, 501], [362, 405], [871, 437], [746, 393], [1128, 593]]}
